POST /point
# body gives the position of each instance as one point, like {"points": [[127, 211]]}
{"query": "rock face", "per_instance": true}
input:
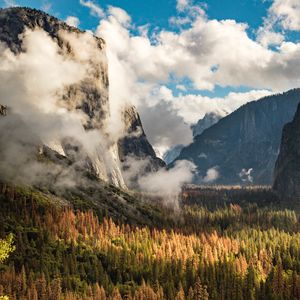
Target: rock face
{"points": [[89, 97], [172, 154], [287, 168], [208, 120], [135, 143], [3, 110], [244, 145]]}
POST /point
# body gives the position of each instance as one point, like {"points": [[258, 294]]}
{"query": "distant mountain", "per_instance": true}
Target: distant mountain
{"points": [[207, 121], [172, 154], [244, 145], [287, 168], [135, 143], [88, 98]]}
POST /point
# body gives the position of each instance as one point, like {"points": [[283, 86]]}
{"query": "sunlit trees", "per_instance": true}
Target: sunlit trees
{"points": [[230, 252], [6, 247]]}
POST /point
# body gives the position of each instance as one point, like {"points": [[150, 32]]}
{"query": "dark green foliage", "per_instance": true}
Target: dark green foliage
{"points": [[229, 252]]}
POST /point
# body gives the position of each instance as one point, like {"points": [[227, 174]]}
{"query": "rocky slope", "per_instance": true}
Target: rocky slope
{"points": [[135, 143], [3, 111], [207, 121], [287, 168], [244, 145], [88, 98]]}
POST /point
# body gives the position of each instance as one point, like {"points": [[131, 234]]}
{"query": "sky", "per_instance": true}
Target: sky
{"points": [[153, 12], [178, 60]]}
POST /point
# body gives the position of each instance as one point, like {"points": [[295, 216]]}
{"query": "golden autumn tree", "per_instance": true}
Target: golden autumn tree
{"points": [[6, 247]]}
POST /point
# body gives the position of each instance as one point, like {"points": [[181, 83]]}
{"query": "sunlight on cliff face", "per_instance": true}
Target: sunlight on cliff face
{"points": [[49, 92]]}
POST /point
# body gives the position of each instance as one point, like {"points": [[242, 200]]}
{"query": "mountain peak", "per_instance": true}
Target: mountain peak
{"points": [[13, 21], [248, 138], [207, 121], [83, 93]]}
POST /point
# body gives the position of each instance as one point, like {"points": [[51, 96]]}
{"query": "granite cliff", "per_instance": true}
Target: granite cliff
{"points": [[207, 121], [287, 168], [87, 98], [243, 146], [135, 143]]}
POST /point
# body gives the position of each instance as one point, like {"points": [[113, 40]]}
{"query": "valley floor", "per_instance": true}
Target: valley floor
{"points": [[220, 244]]}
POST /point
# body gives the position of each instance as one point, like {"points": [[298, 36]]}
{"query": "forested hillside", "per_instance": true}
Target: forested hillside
{"points": [[225, 252]]}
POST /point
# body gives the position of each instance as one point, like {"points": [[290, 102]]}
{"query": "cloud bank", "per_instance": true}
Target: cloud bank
{"points": [[168, 182], [44, 88], [146, 65]]}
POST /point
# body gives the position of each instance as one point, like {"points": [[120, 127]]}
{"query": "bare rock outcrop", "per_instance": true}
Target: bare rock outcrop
{"points": [[287, 168]]}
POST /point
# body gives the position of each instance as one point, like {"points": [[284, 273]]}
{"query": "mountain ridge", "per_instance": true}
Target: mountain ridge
{"points": [[246, 139]]}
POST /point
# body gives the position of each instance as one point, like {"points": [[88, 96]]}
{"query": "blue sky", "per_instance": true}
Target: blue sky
{"points": [[155, 12], [193, 57]]}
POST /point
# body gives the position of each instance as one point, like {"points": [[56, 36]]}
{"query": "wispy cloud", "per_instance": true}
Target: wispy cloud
{"points": [[145, 65], [287, 13], [209, 53], [96, 10], [212, 175], [46, 6], [72, 21], [10, 3], [283, 15]]}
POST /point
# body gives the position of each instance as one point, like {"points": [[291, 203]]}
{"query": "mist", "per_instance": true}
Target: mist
{"points": [[49, 138], [165, 183], [43, 88]]}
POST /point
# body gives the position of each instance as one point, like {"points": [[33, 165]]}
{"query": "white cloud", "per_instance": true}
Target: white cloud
{"points": [[33, 95], [283, 15], [268, 37], [168, 183], [46, 6], [190, 9], [10, 3], [164, 126], [181, 87], [209, 53], [182, 5], [193, 107], [212, 175], [96, 10], [245, 175], [120, 14], [287, 13], [202, 155], [179, 21], [72, 21], [165, 183], [40, 110]]}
